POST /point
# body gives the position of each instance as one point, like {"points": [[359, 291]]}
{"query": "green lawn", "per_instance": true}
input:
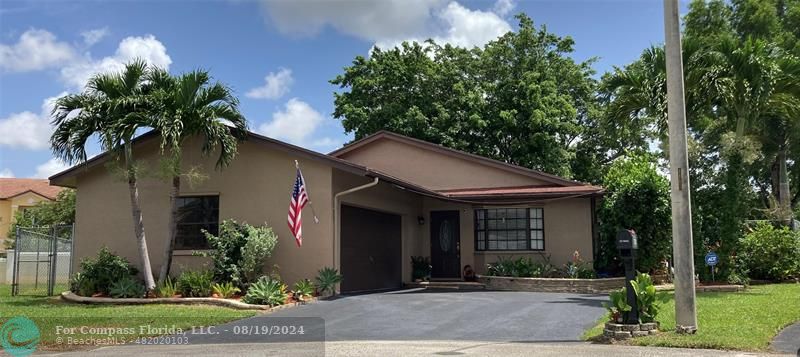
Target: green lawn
{"points": [[732, 321], [50, 312]]}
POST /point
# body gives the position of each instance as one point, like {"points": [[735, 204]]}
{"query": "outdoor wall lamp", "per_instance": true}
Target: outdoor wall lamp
{"points": [[421, 220]]}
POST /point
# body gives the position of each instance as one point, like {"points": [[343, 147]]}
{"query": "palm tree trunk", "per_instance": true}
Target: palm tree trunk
{"points": [[173, 225], [783, 186], [138, 222]]}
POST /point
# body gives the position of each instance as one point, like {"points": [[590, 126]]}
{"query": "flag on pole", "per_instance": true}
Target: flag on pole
{"points": [[299, 200]]}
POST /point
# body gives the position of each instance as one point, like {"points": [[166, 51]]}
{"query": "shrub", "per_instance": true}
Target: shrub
{"points": [[303, 290], [578, 269], [195, 283], [524, 267], [637, 197], [770, 253], [225, 290], [127, 287], [167, 288], [502, 267], [266, 291], [98, 274], [618, 305], [327, 280], [420, 268], [239, 252], [647, 300], [81, 285]]}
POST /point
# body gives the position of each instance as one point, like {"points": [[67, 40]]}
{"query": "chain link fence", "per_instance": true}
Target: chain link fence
{"points": [[41, 262]]}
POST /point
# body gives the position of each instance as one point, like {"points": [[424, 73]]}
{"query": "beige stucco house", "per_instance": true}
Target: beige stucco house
{"points": [[379, 201], [19, 194]]}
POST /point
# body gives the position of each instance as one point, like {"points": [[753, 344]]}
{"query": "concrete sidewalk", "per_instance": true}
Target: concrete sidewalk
{"points": [[409, 348]]}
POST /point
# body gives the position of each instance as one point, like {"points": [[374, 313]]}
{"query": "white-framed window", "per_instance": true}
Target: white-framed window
{"points": [[509, 229]]}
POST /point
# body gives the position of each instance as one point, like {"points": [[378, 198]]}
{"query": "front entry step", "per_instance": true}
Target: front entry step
{"points": [[448, 285]]}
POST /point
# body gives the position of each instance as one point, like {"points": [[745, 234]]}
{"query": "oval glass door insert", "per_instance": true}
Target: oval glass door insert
{"points": [[445, 235]]}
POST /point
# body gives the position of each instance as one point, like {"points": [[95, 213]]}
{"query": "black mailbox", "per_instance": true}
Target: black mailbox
{"points": [[627, 245], [626, 239]]}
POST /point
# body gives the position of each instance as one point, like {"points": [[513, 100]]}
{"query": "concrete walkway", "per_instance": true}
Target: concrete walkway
{"points": [[788, 340], [409, 348]]}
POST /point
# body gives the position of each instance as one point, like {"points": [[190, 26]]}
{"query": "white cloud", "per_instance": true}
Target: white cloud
{"points": [[145, 47], [503, 7], [94, 36], [28, 130], [275, 86], [295, 123], [388, 23], [369, 20], [326, 144], [460, 26], [49, 168], [35, 50], [469, 28], [6, 173]]}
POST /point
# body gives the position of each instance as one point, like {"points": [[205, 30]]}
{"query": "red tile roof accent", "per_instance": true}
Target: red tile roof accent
{"points": [[522, 191], [10, 187]]}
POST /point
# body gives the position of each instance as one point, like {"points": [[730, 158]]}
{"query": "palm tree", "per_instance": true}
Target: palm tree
{"points": [[190, 105], [113, 106], [758, 89]]}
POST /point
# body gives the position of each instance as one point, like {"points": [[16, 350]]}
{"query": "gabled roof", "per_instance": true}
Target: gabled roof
{"points": [[559, 187], [388, 135], [12, 187], [64, 178]]}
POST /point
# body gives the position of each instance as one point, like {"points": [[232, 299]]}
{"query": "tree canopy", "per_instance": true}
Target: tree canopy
{"points": [[521, 98]]}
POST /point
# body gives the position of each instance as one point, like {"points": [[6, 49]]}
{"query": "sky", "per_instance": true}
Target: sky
{"points": [[278, 55]]}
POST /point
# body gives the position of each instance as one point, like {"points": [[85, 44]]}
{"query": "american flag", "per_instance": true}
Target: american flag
{"points": [[299, 200]]}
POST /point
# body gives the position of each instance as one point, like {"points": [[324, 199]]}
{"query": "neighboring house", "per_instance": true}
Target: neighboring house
{"points": [[19, 194], [380, 201]]}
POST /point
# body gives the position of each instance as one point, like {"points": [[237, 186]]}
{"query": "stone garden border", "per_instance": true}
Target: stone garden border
{"points": [[582, 286], [71, 297], [613, 331]]}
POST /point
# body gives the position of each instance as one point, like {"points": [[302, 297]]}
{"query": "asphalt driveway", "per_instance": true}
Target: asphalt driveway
{"points": [[410, 315]]}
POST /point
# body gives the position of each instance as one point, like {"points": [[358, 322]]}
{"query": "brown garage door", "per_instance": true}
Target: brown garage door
{"points": [[370, 250]]}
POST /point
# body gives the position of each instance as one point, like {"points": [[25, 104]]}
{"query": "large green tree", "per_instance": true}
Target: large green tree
{"points": [[191, 106], [637, 198], [741, 90], [521, 98], [112, 107]]}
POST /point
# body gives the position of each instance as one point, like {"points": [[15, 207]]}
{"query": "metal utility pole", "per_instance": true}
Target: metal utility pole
{"points": [[682, 247]]}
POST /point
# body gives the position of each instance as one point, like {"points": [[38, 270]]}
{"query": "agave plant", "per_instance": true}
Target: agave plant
{"points": [[303, 290], [127, 287], [266, 291], [327, 280]]}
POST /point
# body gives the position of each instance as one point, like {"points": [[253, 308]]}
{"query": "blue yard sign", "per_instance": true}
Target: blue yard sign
{"points": [[711, 259]]}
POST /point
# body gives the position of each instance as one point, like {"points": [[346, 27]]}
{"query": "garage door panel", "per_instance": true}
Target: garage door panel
{"points": [[370, 250]]}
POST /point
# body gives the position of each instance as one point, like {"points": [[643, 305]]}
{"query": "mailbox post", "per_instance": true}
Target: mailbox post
{"points": [[627, 245]]}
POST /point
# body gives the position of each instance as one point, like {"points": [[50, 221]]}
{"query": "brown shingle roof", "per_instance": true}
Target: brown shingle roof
{"points": [[10, 187]]}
